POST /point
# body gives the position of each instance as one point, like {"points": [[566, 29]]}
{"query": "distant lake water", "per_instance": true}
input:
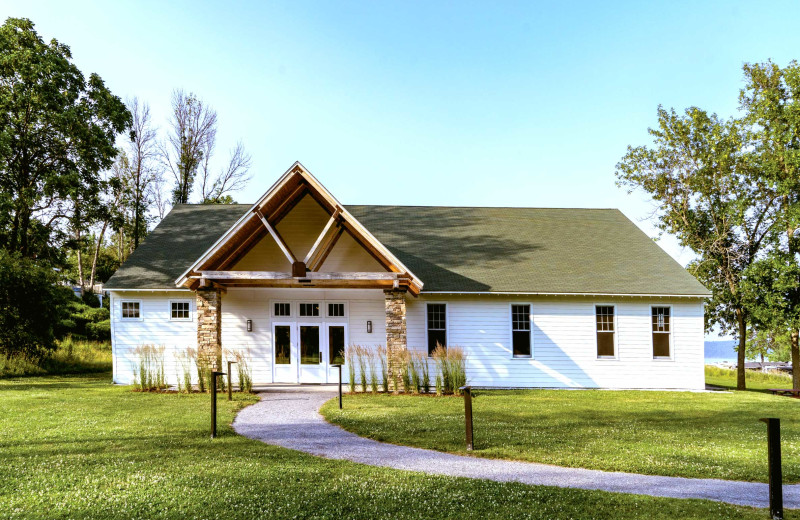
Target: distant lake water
{"points": [[720, 351]]}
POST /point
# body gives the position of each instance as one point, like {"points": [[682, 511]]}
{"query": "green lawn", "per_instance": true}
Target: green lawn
{"points": [[715, 435], [758, 381], [78, 447]]}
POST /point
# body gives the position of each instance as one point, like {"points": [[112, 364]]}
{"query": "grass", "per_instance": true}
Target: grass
{"points": [[758, 381], [70, 357], [708, 435], [78, 447]]}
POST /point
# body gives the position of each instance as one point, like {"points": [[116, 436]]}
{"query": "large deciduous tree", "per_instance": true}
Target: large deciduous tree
{"points": [[702, 175], [771, 105], [57, 132]]}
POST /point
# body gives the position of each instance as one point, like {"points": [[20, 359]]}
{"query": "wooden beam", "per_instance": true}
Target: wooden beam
{"points": [[288, 203], [278, 238], [321, 236], [325, 251], [284, 275]]}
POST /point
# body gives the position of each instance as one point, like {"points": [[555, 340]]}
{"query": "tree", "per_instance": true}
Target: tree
{"points": [[771, 103], [701, 174], [189, 150], [193, 127], [57, 132], [143, 165], [233, 178]]}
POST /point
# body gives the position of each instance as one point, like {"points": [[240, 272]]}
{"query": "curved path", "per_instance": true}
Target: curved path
{"points": [[289, 417]]}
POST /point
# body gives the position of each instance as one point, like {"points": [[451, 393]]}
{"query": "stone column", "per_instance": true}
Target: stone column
{"points": [[209, 327], [396, 345]]}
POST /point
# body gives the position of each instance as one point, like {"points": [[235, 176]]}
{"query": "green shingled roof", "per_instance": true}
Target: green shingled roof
{"points": [[531, 250]]}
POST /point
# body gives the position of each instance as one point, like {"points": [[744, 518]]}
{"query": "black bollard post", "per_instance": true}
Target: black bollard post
{"points": [[468, 414], [213, 390], [775, 473], [340, 385], [230, 382]]}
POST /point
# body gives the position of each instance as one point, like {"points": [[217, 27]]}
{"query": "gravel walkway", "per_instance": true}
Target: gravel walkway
{"points": [[289, 417]]}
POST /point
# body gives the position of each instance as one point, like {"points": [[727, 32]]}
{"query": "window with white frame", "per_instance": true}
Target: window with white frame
{"points": [[283, 309], [437, 326], [335, 310], [309, 309], [604, 317], [521, 330], [131, 310], [179, 310], [661, 331]]}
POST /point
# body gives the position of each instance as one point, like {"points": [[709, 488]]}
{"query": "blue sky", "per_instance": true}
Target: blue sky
{"points": [[442, 103]]}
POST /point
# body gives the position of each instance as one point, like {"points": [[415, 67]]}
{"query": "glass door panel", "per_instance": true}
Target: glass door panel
{"points": [[310, 353]]}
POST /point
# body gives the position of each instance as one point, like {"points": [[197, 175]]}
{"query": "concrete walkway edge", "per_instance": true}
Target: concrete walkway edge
{"points": [[289, 417]]}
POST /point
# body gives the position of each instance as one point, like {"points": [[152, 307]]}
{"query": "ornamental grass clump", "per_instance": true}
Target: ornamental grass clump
{"points": [[413, 373], [149, 375], [371, 355], [243, 370], [382, 358], [405, 372], [351, 367], [450, 370], [185, 365], [420, 361], [201, 369]]}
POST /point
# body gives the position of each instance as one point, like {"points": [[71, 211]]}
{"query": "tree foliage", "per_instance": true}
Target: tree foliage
{"points": [[57, 132]]}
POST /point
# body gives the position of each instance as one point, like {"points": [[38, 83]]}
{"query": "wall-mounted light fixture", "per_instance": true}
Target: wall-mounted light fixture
{"points": [[249, 325], [369, 326]]}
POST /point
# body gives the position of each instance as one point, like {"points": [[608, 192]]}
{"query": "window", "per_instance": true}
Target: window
{"points": [[437, 326], [521, 330], [179, 310], [604, 315], [283, 345], [336, 344], [335, 310], [661, 332], [130, 310], [283, 309], [309, 309]]}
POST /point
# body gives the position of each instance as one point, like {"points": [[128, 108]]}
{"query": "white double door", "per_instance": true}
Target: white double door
{"points": [[303, 352]]}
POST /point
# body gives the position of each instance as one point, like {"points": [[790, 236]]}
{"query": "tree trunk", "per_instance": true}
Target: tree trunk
{"points": [[80, 262], [740, 379], [96, 254], [795, 360]]}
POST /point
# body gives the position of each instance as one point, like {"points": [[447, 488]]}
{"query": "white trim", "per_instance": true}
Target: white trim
{"points": [[446, 325], [615, 357], [524, 293], [166, 289], [130, 300], [273, 351], [511, 329], [180, 300], [326, 325], [671, 356]]}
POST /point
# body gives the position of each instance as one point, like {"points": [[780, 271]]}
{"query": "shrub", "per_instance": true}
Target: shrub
{"points": [[31, 303], [150, 373], [99, 331]]}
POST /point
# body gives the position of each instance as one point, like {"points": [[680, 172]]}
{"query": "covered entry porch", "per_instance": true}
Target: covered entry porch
{"points": [[296, 335]]}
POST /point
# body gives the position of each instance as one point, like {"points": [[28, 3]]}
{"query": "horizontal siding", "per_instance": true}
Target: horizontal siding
{"points": [[564, 344]]}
